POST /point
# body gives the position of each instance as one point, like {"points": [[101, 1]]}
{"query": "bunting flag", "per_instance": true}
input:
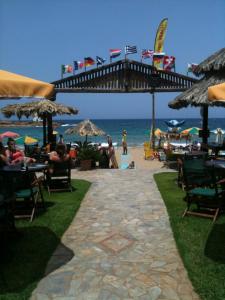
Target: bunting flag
{"points": [[130, 49], [159, 41], [100, 60], [192, 67], [88, 61], [66, 69], [147, 53], [78, 65], [168, 63], [114, 52]]}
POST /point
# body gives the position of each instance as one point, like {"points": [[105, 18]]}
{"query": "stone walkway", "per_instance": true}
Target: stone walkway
{"points": [[122, 244]]}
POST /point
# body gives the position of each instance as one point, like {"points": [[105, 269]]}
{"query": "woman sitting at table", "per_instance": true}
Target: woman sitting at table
{"points": [[59, 155], [3, 157], [14, 155]]}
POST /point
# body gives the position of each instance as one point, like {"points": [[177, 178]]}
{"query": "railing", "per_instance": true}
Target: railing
{"points": [[124, 76]]}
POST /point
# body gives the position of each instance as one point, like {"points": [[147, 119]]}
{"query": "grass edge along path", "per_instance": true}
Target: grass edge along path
{"points": [[24, 257], [201, 243]]}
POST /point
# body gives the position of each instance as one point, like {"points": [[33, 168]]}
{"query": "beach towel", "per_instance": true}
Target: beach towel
{"points": [[125, 161]]}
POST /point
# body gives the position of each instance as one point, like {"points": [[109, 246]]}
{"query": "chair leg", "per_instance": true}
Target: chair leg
{"points": [[35, 200]]}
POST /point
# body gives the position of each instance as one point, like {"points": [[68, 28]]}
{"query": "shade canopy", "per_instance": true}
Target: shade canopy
{"points": [[17, 86], [9, 134], [213, 69], [37, 108], [85, 128], [217, 92], [159, 132], [192, 130], [28, 140]]}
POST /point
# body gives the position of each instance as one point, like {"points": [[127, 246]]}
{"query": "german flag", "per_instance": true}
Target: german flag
{"points": [[88, 61]]}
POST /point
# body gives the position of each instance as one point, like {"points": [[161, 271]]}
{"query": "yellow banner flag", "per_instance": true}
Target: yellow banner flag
{"points": [[159, 42]]}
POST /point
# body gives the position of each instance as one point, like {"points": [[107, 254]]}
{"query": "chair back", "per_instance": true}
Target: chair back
{"points": [[195, 173], [61, 168]]}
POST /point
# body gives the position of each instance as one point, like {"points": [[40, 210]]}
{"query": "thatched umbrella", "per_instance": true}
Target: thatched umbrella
{"points": [[213, 71], [85, 128], [40, 108]]}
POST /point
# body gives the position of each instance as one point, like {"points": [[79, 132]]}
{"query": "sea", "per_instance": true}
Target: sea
{"points": [[138, 130]]}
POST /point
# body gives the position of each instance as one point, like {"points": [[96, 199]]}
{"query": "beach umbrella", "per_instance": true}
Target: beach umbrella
{"points": [[38, 108], [159, 132], [14, 86], [217, 92], [28, 140], [212, 73], [85, 128], [9, 134], [192, 130]]}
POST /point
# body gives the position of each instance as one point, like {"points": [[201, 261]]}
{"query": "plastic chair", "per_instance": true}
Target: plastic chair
{"points": [[58, 177], [202, 190], [27, 189]]}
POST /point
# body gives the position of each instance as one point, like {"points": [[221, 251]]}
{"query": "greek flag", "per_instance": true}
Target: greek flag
{"points": [[130, 49], [99, 60]]}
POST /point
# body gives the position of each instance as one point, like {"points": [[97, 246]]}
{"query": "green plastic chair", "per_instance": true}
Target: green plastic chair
{"points": [[202, 190]]}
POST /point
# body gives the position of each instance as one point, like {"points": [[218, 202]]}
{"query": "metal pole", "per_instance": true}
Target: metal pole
{"points": [[152, 142]]}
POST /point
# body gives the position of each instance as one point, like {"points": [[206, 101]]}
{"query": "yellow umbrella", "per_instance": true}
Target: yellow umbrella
{"points": [[158, 132], [17, 86], [30, 140], [217, 92], [26, 140]]}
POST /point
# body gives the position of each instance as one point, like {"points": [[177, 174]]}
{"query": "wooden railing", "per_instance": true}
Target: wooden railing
{"points": [[124, 76]]}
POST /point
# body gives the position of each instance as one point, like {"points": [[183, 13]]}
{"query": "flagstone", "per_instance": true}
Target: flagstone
{"points": [[122, 244]]}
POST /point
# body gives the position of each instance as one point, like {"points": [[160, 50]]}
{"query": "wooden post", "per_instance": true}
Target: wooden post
{"points": [[44, 130], [50, 128], [205, 124], [152, 140]]}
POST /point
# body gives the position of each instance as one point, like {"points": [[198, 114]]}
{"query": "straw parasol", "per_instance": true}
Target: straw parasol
{"points": [[85, 128], [212, 70], [38, 108]]}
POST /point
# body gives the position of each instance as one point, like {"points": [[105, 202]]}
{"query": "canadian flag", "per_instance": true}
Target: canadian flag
{"points": [[168, 63]]}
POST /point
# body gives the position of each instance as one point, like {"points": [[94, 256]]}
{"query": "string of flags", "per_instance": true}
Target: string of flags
{"points": [[168, 62]]}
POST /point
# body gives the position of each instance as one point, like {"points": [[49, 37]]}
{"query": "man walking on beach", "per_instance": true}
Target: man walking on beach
{"points": [[124, 142]]}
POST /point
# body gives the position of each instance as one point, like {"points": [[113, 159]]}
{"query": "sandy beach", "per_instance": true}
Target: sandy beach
{"points": [[136, 154]]}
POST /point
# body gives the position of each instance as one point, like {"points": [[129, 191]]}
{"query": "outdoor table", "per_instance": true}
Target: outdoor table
{"points": [[12, 171], [216, 147], [216, 163]]}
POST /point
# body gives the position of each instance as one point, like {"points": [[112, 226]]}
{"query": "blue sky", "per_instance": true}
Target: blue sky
{"points": [[38, 36]]}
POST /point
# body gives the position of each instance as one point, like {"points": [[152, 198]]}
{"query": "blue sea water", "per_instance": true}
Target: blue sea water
{"points": [[138, 130]]}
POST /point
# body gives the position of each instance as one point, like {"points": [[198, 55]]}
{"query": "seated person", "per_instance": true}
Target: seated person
{"points": [[103, 159], [13, 154], [60, 153], [3, 157]]}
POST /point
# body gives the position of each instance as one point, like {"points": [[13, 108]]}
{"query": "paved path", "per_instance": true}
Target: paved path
{"points": [[122, 243]]}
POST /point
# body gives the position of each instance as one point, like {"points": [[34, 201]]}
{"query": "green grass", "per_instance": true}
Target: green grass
{"points": [[201, 244], [24, 256]]}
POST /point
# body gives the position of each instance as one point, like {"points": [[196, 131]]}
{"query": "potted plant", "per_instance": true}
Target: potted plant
{"points": [[87, 155]]}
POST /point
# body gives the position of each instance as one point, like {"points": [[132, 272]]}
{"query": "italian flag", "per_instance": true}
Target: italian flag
{"points": [[67, 69]]}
